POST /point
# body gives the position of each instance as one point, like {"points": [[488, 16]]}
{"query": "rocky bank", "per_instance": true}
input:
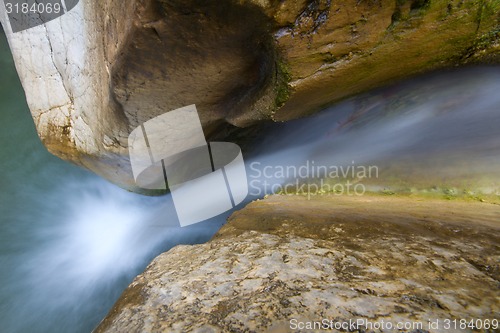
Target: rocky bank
{"points": [[287, 260]]}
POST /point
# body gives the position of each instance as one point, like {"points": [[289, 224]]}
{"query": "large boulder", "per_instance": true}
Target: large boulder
{"points": [[97, 72], [288, 261]]}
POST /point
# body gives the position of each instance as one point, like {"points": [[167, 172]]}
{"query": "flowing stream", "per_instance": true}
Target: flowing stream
{"points": [[439, 133], [70, 242]]}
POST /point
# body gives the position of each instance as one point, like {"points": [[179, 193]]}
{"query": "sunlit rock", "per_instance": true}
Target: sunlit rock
{"points": [[289, 260]]}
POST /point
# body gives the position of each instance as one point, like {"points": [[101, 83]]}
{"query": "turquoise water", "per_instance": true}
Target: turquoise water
{"points": [[69, 241]]}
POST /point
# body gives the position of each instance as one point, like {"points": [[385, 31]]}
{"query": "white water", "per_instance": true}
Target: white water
{"points": [[85, 245]]}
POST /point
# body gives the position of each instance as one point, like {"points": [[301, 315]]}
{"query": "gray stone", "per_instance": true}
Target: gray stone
{"points": [[337, 258]]}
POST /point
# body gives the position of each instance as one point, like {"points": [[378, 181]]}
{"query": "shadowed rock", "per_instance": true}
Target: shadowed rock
{"points": [[94, 74]]}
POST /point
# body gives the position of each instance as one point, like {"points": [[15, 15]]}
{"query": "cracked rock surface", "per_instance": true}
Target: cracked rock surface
{"points": [[96, 73], [334, 258]]}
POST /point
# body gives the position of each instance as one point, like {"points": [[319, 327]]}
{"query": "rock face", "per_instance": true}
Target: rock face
{"points": [[287, 260], [96, 73]]}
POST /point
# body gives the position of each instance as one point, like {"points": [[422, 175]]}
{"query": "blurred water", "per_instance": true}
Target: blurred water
{"points": [[440, 130]]}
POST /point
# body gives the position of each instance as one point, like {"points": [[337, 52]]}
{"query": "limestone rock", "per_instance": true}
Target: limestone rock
{"points": [[96, 73], [286, 260]]}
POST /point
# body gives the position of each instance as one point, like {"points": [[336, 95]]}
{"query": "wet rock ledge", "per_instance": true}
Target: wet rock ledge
{"points": [[377, 258]]}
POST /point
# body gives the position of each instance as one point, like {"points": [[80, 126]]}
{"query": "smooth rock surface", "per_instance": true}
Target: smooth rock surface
{"points": [[96, 73], [337, 258]]}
